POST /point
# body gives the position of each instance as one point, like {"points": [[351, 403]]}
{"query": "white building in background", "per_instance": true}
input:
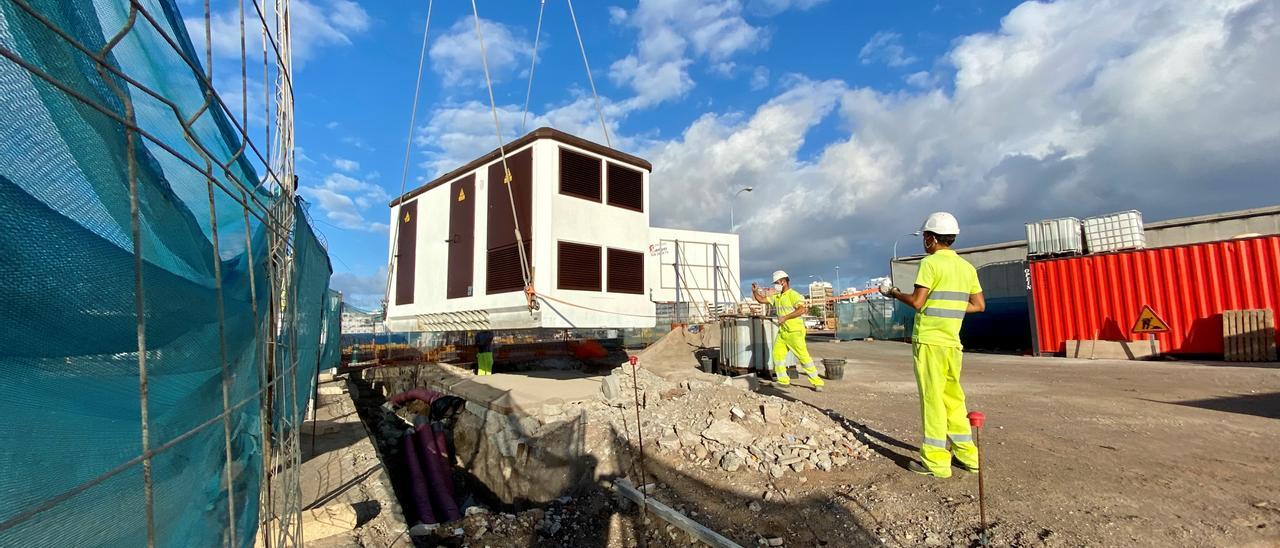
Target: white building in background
{"points": [[820, 290], [358, 321], [691, 266]]}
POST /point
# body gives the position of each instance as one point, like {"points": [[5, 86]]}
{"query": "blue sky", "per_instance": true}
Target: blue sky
{"points": [[853, 119]]}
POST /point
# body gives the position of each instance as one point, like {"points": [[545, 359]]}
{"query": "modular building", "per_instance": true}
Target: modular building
{"points": [[1007, 280], [572, 220], [570, 223]]}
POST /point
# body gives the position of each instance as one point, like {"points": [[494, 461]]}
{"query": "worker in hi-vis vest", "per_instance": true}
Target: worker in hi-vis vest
{"points": [[484, 353], [790, 308], [946, 289]]}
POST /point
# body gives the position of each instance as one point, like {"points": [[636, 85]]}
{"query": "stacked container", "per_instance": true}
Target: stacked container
{"points": [[1055, 237], [1114, 232]]}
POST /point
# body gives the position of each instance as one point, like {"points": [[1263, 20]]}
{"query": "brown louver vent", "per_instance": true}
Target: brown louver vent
{"points": [[626, 271], [579, 175], [579, 266], [626, 187], [502, 269]]}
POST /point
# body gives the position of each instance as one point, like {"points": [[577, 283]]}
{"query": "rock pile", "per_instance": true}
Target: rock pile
{"points": [[719, 426]]}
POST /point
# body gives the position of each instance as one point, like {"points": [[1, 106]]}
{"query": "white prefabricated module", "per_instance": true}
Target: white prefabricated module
{"points": [[1114, 232], [693, 266], [582, 212], [1055, 237]]}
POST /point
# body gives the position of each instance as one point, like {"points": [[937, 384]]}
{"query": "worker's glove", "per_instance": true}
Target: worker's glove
{"points": [[886, 289]]}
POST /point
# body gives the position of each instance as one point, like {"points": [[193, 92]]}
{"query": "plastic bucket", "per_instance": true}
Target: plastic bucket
{"points": [[834, 368]]}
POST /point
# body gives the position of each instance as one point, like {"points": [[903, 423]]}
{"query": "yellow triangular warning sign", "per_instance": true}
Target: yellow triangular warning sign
{"points": [[406, 217], [461, 195], [1149, 322]]}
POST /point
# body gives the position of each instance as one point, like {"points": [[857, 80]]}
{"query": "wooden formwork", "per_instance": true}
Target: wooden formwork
{"points": [[1248, 335]]}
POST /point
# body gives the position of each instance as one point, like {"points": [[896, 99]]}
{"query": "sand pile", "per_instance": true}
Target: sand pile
{"points": [[677, 352]]}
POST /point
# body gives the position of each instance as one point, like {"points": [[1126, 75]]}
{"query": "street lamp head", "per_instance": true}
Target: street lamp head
{"points": [[749, 189]]}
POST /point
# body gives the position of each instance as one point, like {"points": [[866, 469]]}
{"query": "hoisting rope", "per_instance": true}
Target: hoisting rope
{"points": [[533, 63], [408, 149], [506, 179], [581, 46]]}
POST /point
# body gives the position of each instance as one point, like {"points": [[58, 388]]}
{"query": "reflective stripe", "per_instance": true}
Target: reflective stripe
{"points": [[936, 442], [949, 296], [961, 438], [944, 313]]}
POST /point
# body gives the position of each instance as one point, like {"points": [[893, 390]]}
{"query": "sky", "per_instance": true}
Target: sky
{"points": [[852, 120]]}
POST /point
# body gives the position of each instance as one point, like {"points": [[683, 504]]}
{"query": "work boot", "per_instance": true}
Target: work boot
{"points": [[817, 388], [964, 466], [920, 469]]}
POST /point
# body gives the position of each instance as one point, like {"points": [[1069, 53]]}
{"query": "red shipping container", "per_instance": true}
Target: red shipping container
{"points": [[1189, 286]]}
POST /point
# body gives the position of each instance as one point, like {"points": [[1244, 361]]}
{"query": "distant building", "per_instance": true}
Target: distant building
{"points": [[355, 320]]}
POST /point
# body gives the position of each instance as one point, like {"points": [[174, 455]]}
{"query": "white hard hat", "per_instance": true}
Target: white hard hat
{"points": [[778, 275], [942, 224]]}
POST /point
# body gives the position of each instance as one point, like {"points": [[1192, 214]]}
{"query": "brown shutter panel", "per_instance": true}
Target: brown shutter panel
{"points": [[578, 266], [461, 238], [502, 263], [579, 175], [406, 245], [626, 187], [626, 271]]}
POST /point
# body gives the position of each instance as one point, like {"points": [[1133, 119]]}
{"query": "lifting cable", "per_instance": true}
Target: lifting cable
{"points": [[533, 63], [592, 81], [408, 149], [506, 179]]}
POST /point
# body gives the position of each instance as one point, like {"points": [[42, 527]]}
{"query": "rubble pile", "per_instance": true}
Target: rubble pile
{"points": [[716, 425]]}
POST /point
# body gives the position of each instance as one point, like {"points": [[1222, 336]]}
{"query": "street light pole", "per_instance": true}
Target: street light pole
{"points": [[895, 246], [732, 226], [838, 288]]}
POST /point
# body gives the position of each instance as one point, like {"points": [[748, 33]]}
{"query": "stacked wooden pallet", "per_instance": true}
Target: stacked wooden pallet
{"points": [[1249, 335]]}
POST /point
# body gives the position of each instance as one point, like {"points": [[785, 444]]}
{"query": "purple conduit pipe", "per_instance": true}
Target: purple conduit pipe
{"points": [[417, 480], [438, 474], [443, 447]]}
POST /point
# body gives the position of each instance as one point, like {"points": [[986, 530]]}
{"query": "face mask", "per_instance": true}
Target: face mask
{"points": [[777, 287]]}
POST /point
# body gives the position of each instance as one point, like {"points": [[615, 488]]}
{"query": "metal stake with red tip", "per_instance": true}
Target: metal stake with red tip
{"points": [[976, 418]]}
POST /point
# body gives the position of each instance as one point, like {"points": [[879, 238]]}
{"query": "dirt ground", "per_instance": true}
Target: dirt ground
{"points": [[1075, 452]]}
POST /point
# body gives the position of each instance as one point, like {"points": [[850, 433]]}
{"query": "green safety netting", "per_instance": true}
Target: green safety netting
{"points": [[70, 473]]}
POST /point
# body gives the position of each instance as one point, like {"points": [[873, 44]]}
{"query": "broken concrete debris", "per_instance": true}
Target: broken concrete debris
{"points": [[717, 426]]}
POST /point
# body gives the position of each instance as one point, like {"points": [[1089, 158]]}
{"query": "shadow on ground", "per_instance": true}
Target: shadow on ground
{"points": [[1261, 405]]}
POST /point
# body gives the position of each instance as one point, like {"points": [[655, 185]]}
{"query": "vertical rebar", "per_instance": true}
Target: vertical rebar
{"points": [[644, 481]]}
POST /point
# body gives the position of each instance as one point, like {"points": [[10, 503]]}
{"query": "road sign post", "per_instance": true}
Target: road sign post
{"points": [[1150, 323]]}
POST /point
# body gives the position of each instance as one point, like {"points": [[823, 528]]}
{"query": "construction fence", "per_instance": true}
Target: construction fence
{"points": [[164, 299]]}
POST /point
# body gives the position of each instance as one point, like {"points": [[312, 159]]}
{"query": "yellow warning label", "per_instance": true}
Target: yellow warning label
{"points": [[1149, 322], [461, 195], [406, 217], [506, 179]]}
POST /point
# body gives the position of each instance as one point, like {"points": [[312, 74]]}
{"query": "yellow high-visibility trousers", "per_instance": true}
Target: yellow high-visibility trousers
{"points": [[942, 409], [793, 342], [484, 363]]}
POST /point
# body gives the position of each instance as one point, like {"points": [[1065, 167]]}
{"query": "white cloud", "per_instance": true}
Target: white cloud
{"points": [[343, 164], [672, 32], [885, 47], [1070, 108], [332, 125], [456, 54], [344, 200], [456, 134], [759, 78], [362, 290], [617, 15], [774, 7], [316, 24]]}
